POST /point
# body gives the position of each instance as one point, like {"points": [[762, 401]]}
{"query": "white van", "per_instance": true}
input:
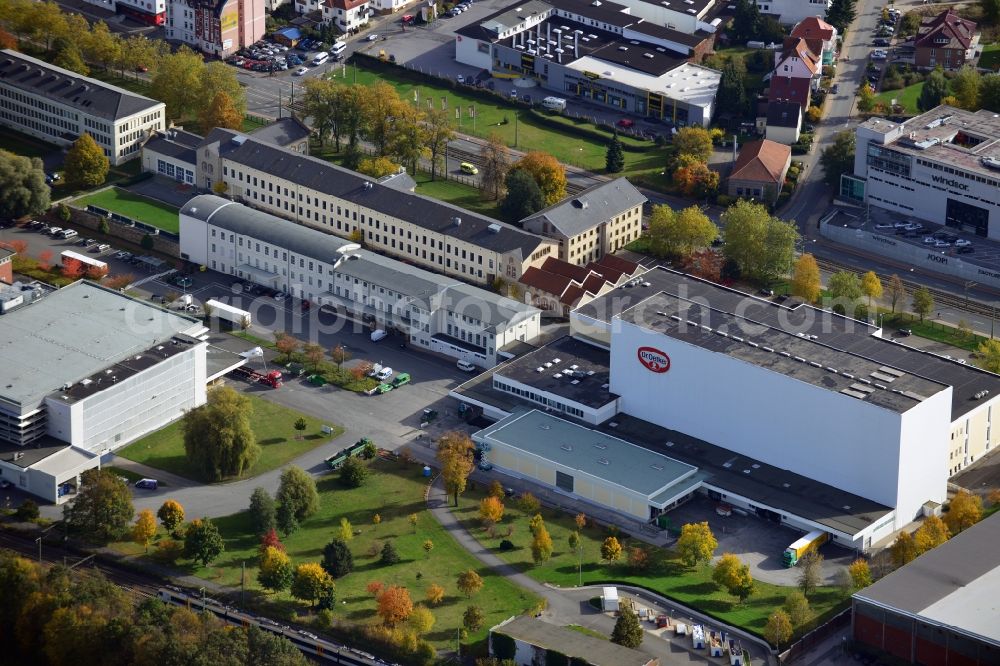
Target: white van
{"points": [[320, 58], [338, 48], [554, 103], [68, 233], [465, 366], [378, 335]]}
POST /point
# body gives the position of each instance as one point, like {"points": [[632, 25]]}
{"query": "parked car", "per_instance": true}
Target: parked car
{"points": [[961, 242], [372, 37], [147, 484], [301, 71], [835, 89], [383, 374], [465, 366], [881, 41], [183, 281], [625, 123], [966, 249], [468, 167]]}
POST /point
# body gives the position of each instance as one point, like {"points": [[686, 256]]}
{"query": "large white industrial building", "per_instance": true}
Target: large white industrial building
{"points": [[84, 371], [798, 415], [942, 166], [438, 313]]}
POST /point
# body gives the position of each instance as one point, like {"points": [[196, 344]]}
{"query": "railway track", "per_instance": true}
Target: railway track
{"points": [[941, 297]]}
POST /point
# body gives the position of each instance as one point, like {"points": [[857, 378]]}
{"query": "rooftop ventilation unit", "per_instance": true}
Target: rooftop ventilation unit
{"points": [[494, 228], [558, 375], [979, 395], [557, 360], [658, 468], [603, 461], [539, 369], [566, 447]]}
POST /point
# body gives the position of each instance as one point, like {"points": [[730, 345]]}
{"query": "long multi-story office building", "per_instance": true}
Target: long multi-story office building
{"points": [[942, 166], [436, 313], [424, 231], [57, 105]]}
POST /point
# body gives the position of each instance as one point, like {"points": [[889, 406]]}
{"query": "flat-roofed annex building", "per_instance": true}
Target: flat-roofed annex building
{"points": [[941, 608], [436, 312], [87, 369], [315, 193], [57, 105]]}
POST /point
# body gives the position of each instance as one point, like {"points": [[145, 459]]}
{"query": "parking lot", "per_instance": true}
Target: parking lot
{"points": [[945, 240]]}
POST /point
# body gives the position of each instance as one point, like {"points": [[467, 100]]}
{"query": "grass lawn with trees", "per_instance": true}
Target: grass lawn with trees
{"points": [[567, 146], [456, 193], [665, 572], [394, 490], [991, 57], [271, 423], [906, 97], [139, 208]]}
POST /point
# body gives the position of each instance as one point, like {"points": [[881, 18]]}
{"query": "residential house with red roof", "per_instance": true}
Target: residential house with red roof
{"points": [[819, 35], [947, 40], [347, 15], [797, 71], [790, 12], [760, 171]]}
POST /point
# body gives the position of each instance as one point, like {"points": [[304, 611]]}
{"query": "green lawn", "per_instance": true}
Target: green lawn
{"points": [[949, 335], [665, 574], [519, 131], [141, 209], [991, 56], [456, 193], [24, 145], [128, 474], [272, 424], [395, 490], [907, 97]]}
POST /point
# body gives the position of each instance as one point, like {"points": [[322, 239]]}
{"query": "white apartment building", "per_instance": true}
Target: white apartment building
{"points": [[58, 106], [436, 313], [427, 232], [790, 12], [347, 15], [942, 166]]}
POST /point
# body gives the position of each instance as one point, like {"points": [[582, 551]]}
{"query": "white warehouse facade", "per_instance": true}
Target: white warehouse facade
{"points": [[435, 312]]}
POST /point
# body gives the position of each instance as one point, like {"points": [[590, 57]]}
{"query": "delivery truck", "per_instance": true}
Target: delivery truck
{"points": [[240, 319], [806, 544]]}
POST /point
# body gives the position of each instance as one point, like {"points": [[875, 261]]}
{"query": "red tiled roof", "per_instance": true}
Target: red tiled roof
{"points": [[800, 49], [813, 27], [790, 88], [617, 263], [560, 267], [762, 161], [569, 282], [345, 4], [947, 25]]}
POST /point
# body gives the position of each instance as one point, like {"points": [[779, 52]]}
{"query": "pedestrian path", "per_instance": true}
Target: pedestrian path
{"points": [[173, 481]]}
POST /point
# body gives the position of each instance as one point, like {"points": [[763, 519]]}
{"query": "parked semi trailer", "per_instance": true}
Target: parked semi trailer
{"points": [[798, 550], [272, 378]]}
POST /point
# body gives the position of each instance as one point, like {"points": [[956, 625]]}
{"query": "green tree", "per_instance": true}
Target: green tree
{"points": [[694, 141], [262, 512], [102, 509], [202, 542], [988, 355], [746, 22], [215, 77], [421, 620], [346, 530], [86, 165], [627, 631], [100, 46], [989, 91], [679, 232], [310, 582], [778, 629], [797, 607], [218, 438], [903, 549], [541, 545], [389, 554], [861, 574], [409, 142], [732, 94], [473, 618], [27, 512], [378, 167], [965, 86], [871, 286], [845, 289], [838, 158], [931, 534], [991, 10], [437, 124], [68, 56], [964, 511], [806, 279], [923, 302], [297, 492], [276, 571], [574, 540], [22, 186], [810, 572], [354, 472], [935, 89], [171, 515], [220, 113], [144, 529], [614, 158], [337, 558], [469, 582], [761, 245], [177, 82]]}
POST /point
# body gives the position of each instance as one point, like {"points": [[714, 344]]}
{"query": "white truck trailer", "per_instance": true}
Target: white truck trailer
{"points": [[238, 318]]}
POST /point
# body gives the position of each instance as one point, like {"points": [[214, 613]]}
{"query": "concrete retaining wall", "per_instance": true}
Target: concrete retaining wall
{"points": [[931, 259]]}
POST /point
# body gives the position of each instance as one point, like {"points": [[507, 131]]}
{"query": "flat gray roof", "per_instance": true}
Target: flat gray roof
{"points": [[716, 305], [594, 651], [955, 585], [798, 357], [570, 359], [592, 452], [73, 333]]}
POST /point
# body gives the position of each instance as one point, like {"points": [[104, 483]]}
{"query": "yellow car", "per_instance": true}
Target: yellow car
{"points": [[468, 167]]}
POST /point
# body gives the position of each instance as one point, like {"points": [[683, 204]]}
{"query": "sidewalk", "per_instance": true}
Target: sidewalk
{"points": [[172, 481]]}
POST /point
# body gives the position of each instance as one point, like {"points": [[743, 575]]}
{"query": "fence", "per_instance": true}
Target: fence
{"points": [[815, 637]]}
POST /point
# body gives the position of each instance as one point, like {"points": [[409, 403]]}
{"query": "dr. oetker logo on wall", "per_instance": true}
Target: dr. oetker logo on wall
{"points": [[653, 359]]}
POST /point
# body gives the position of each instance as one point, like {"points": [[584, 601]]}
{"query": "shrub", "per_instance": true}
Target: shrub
{"points": [[724, 200], [168, 551], [27, 511], [506, 544]]}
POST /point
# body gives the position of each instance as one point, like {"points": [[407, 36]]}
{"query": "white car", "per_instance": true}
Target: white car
{"points": [[961, 242], [301, 71], [879, 55], [372, 37], [384, 374], [465, 366], [928, 240]]}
